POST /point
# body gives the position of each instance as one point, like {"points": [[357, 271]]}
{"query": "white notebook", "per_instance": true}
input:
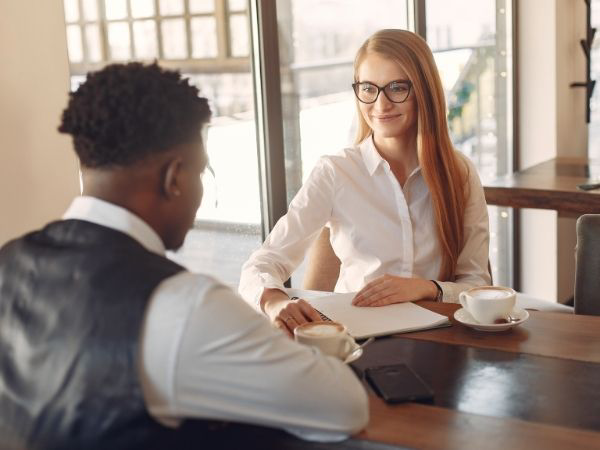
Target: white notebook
{"points": [[364, 322]]}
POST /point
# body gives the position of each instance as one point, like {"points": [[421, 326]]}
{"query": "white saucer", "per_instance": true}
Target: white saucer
{"points": [[354, 354], [464, 317]]}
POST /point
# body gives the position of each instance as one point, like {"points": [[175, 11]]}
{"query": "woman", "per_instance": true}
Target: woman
{"points": [[406, 211]]}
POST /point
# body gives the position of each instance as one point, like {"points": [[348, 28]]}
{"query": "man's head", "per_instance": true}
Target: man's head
{"points": [[136, 130]]}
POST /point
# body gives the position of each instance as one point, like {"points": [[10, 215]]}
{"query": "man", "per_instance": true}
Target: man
{"points": [[106, 343]]}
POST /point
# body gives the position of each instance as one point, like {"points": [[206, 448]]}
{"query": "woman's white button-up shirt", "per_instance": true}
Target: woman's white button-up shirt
{"points": [[377, 227]]}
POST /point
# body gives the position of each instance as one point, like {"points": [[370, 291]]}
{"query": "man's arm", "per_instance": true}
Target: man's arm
{"points": [[231, 364]]}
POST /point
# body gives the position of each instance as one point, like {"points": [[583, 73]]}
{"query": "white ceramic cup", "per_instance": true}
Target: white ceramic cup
{"points": [[331, 338], [488, 303]]}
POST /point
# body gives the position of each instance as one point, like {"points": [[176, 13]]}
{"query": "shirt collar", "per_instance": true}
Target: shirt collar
{"points": [[370, 155], [94, 210], [373, 159]]}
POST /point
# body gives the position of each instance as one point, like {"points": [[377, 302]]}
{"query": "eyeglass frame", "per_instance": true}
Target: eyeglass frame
{"points": [[379, 89]]}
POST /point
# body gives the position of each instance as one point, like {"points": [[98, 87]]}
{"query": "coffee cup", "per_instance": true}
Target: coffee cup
{"points": [[331, 338], [487, 304]]}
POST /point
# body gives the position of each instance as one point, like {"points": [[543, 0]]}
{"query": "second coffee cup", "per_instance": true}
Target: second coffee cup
{"points": [[331, 338], [487, 304]]}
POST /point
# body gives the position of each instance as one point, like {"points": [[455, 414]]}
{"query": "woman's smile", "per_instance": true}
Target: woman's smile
{"points": [[385, 117]]}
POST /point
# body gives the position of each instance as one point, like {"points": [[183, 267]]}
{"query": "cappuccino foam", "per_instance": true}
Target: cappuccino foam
{"points": [[321, 330], [489, 294]]}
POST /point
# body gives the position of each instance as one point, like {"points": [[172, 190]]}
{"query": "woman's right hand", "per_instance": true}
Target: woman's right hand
{"points": [[287, 314]]}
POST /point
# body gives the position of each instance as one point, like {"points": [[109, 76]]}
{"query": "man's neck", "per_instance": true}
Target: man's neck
{"points": [[128, 190]]}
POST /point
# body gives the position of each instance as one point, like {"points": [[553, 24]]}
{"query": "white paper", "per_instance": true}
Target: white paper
{"points": [[363, 322]]}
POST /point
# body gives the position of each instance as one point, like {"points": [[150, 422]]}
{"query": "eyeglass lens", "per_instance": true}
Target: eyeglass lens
{"points": [[396, 91]]}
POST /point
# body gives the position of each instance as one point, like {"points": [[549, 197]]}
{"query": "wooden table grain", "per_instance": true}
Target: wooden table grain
{"points": [[413, 425], [561, 349], [551, 185], [559, 335], [562, 336]]}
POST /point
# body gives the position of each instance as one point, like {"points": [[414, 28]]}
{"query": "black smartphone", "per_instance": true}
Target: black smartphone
{"points": [[398, 383]]}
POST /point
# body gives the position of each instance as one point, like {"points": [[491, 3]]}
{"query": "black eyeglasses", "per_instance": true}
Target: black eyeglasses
{"points": [[396, 91]]}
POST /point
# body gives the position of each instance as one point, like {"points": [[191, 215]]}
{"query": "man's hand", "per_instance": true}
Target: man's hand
{"points": [[287, 314], [388, 289]]}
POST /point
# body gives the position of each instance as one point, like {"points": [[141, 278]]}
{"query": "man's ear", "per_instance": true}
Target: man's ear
{"points": [[171, 182]]}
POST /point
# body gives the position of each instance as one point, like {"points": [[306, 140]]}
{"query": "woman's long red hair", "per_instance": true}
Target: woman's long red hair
{"points": [[443, 170]]}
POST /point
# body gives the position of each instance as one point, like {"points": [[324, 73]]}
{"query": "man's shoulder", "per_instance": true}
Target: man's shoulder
{"points": [[15, 242], [88, 249], [197, 280], [191, 286], [185, 293]]}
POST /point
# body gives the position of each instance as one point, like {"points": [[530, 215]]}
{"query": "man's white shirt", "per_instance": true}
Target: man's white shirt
{"points": [[204, 353]]}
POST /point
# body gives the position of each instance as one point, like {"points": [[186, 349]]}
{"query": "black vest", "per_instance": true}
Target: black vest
{"points": [[72, 301]]}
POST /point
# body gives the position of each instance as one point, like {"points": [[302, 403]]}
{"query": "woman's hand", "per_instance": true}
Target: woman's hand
{"points": [[388, 289], [287, 314], [295, 313]]}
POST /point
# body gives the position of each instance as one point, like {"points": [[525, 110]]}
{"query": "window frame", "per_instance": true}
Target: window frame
{"points": [[223, 62], [264, 60], [270, 134]]}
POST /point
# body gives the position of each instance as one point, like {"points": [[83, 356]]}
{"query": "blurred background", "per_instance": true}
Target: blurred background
{"points": [[505, 67]]}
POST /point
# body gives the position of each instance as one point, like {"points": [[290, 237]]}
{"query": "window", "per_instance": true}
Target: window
{"points": [[208, 40], [473, 55], [191, 35], [316, 56]]}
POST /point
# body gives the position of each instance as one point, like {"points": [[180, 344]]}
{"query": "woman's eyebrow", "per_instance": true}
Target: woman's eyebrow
{"points": [[399, 80]]}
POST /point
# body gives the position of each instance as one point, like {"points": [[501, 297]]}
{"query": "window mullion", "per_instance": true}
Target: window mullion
{"points": [[103, 24], [83, 37], [419, 17], [159, 39], [222, 30], [132, 52], [267, 98], [188, 27]]}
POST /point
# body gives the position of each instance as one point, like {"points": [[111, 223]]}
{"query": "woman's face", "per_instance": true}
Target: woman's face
{"points": [[385, 118]]}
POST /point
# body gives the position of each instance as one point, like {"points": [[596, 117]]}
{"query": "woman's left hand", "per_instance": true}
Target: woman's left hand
{"points": [[388, 289]]}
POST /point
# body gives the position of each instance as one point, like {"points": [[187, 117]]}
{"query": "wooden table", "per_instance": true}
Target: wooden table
{"points": [[549, 185], [535, 386], [563, 348]]}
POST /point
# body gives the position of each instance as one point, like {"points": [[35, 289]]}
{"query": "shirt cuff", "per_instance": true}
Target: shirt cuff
{"points": [[267, 281], [451, 290]]}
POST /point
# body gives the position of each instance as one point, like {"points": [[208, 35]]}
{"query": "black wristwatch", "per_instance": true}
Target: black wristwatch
{"points": [[440, 293]]}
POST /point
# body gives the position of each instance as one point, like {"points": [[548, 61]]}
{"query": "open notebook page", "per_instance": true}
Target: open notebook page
{"points": [[374, 321]]}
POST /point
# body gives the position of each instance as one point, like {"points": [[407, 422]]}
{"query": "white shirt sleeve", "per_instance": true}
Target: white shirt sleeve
{"points": [[292, 236], [472, 265], [207, 354]]}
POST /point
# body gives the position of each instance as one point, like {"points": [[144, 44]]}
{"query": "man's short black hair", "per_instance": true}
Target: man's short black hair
{"points": [[126, 112]]}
